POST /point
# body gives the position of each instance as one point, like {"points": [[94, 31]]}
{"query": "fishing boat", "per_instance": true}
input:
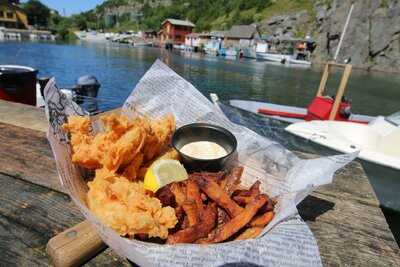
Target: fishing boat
{"points": [[322, 107], [295, 52], [213, 46], [295, 61], [377, 142], [248, 52], [231, 52], [273, 57]]}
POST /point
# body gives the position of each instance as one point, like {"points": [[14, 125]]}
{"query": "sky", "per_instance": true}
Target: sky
{"points": [[70, 6]]}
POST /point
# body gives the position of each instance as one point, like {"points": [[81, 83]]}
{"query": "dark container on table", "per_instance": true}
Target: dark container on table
{"points": [[205, 132], [18, 84]]}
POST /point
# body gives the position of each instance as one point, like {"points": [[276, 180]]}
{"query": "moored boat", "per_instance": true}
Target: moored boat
{"points": [[231, 52], [322, 107], [377, 142]]}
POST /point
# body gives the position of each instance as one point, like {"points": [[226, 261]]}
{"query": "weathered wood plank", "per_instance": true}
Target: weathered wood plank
{"points": [[23, 115], [26, 154], [29, 216], [348, 224]]}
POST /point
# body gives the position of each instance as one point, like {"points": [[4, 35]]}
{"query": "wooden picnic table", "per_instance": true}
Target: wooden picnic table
{"points": [[344, 216]]}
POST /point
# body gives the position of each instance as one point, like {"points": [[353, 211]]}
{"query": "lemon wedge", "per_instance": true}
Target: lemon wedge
{"points": [[163, 172]]}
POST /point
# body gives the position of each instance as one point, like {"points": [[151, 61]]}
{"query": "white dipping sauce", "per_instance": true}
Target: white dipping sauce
{"points": [[204, 150]]}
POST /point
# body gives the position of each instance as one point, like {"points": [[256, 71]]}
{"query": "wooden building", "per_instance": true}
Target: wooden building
{"points": [[174, 31], [12, 16], [199, 41], [242, 36]]}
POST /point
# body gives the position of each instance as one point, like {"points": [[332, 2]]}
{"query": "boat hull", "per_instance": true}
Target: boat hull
{"points": [[255, 106], [273, 57], [350, 137]]}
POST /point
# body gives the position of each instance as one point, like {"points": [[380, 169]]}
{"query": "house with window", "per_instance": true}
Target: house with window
{"points": [[12, 16], [240, 36], [174, 31]]}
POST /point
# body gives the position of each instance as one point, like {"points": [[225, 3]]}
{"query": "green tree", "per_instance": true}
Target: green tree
{"points": [[38, 14]]}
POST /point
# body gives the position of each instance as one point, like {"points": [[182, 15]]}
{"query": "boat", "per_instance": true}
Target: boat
{"points": [[322, 107], [231, 52], [248, 52], [179, 46], [265, 53], [293, 60], [377, 142], [213, 46], [273, 57]]}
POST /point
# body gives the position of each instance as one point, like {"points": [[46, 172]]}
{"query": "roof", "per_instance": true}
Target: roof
{"points": [[193, 35], [242, 31], [179, 22]]}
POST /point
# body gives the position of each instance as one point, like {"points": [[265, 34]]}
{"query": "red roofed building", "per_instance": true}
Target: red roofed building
{"points": [[173, 31]]}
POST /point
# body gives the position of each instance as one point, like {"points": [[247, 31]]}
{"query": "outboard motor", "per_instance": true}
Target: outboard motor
{"points": [[86, 90], [87, 86]]}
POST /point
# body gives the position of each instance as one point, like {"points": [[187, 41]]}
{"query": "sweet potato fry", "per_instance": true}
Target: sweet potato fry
{"points": [[199, 230], [179, 193], [193, 193], [223, 217], [216, 193], [243, 200], [269, 206], [243, 197], [239, 221], [191, 211], [233, 180], [166, 196], [249, 233], [263, 219], [255, 188], [241, 192]]}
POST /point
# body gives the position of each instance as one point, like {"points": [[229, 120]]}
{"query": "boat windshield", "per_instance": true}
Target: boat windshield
{"points": [[394, 118]]}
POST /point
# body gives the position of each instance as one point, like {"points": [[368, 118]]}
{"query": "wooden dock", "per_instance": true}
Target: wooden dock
{"points": [[345, 216]]}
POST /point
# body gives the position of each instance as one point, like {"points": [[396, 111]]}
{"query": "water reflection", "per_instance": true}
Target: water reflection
{"points": [[119, 68]]}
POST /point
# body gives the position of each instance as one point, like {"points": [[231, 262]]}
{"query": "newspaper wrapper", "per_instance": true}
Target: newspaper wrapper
{"points": [[286, 241]]}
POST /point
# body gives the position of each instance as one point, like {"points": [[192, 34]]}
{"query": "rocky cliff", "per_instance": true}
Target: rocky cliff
{"points": [[372, 40]]}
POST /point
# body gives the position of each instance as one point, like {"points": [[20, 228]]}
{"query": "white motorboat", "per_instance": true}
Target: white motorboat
{"points": [[249, 52], [304, 62], [282, 58], [231, 52], [378, 141]]}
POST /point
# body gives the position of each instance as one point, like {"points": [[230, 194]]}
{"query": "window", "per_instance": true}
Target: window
{"points": [[1, 14], [10, 15]]}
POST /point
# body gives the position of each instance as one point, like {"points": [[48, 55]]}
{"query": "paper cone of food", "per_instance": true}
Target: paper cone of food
{"points": [[158, 206]]}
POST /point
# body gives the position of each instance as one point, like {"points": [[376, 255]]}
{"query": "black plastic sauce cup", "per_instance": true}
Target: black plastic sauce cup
{"points": [[205, 132]]}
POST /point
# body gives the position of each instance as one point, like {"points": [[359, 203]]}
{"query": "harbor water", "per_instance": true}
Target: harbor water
{"points": [[119, 67]]}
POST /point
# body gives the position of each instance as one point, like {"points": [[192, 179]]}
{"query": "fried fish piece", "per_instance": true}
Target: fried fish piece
{"points": [[199, 230], [159, 136], [125, 207], [125, 149], [131, 171], [263, 219], [249, 233], [216, 193], [239, 221]]}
